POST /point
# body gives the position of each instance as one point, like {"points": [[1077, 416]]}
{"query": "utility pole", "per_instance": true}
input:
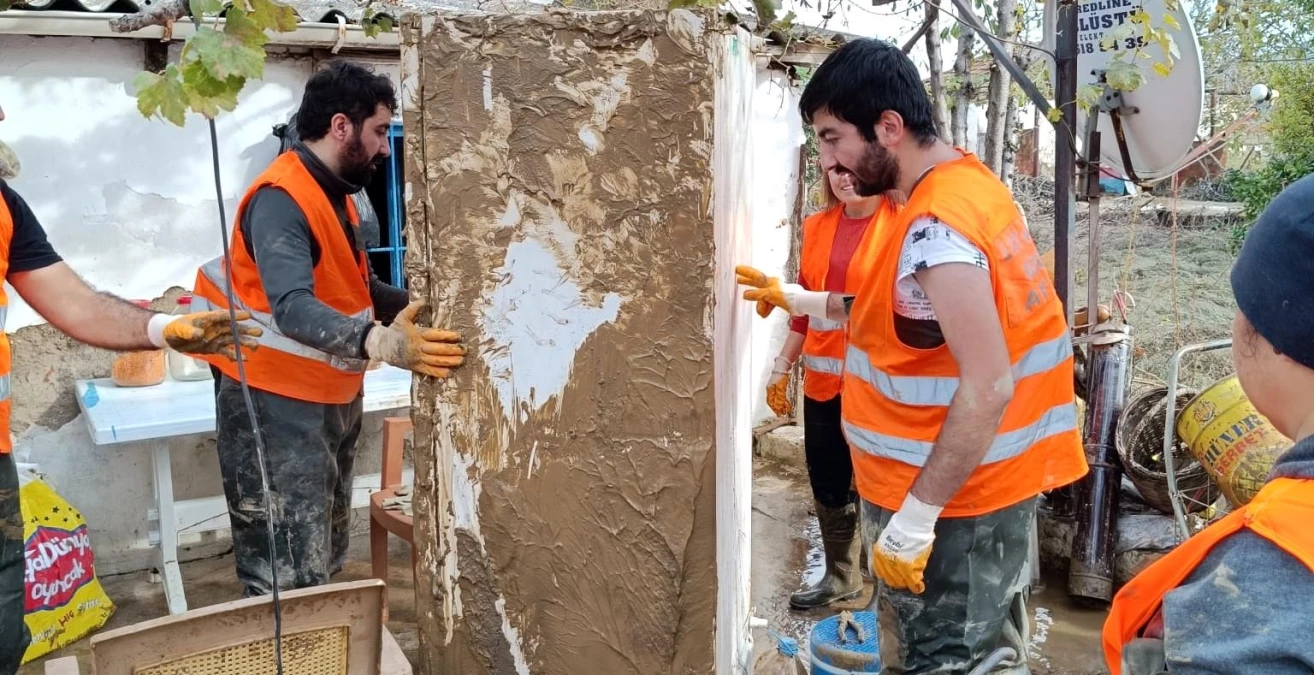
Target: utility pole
{"points": [[1065, 156]]}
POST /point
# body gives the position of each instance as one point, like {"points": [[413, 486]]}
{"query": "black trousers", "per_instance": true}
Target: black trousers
{"points": [[830, 467], [14, 637], [310, 452]]}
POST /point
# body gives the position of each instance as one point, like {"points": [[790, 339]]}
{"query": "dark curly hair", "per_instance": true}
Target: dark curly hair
{"points": [[865, 78], [342, 87]]}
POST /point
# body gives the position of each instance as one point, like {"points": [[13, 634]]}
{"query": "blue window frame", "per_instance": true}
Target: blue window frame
{"points": [[392, 223]]}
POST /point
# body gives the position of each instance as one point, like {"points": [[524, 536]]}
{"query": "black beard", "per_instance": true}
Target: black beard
{"points": [[356, 167], [876, 172]]}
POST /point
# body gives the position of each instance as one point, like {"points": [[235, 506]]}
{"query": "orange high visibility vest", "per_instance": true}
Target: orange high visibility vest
{"points": [[823, 347], [896, 397], [1281, 513], [6, 238], [282, 365]]}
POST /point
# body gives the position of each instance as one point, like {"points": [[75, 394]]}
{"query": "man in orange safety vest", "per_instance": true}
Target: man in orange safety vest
{"points": [[958, 385]]}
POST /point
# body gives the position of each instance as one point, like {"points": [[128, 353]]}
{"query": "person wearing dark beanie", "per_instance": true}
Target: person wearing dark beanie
{"points": [[1238, 597]]}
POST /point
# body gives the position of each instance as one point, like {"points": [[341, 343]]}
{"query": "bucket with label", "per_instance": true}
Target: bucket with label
{"points": [[855, 650], [1228, 436]]}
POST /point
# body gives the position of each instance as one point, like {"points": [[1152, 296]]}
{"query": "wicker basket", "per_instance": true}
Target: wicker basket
{"points": [[1139, 442]]}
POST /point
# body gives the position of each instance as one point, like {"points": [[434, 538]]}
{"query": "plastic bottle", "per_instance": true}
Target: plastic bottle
{"points": [[139, 369], [181, 366]]}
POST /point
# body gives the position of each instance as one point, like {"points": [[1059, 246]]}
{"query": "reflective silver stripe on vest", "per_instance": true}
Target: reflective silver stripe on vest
{"points": [[822, 325], [823, 364], [939, 391], [4, 379], [272, 338], [1057, 420]]}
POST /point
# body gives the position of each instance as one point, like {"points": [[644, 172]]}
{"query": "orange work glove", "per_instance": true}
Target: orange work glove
{"points": [[766, 290], [777, 391], [901, 552], [207, 333], [428, 351]]}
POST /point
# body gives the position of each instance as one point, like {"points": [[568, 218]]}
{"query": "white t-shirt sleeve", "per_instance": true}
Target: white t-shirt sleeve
{"points": [[929, 243]]}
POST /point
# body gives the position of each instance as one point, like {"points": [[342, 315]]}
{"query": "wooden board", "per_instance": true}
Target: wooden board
{"points": [[577, 199]]}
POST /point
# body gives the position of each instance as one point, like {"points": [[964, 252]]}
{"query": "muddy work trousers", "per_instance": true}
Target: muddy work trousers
{"points": [[14, 637], [977, 582], [310, 450]]}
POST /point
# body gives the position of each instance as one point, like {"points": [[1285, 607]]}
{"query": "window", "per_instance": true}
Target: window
{"points": [[385, 193]]}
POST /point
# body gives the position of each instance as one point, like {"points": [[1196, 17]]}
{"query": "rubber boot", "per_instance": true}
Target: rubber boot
{"points": [[839, 541]]}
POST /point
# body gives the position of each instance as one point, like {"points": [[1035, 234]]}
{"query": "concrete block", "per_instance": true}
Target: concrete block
{"points": [[783, 444]]}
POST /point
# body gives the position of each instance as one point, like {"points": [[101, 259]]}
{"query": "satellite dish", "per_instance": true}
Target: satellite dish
{"points": [[1163, 131]]}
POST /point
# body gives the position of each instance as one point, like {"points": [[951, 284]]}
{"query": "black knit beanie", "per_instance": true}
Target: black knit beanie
{"points": [[1273, 279]]}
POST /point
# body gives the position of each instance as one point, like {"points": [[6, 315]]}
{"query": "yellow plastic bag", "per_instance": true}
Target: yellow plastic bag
{"points": [[64, 599]]}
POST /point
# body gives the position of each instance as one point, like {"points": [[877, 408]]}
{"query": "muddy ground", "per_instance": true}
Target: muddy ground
{"points": [[1177, 275], [787, 556]]}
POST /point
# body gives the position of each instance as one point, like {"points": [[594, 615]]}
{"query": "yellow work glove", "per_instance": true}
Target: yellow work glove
{"points": [[904, 546], [766, 290], [202, 333], [428, 351], [792, 298], [777, 392]]}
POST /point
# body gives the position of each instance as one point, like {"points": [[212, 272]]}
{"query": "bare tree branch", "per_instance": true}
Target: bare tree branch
{"points": [[162, 14], [921, 31]]}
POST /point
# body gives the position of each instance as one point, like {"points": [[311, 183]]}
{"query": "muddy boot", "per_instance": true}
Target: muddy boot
{"points": [[840, 541]]}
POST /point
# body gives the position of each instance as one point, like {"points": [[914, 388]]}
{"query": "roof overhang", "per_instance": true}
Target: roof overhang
{"points": [[97, 25]]}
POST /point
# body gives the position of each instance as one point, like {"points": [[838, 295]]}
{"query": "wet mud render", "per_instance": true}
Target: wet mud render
{"points": [[596, 506]]}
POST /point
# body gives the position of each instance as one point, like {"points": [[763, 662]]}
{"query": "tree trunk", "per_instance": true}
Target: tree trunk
{"points": [[997, 128], [1009, 154], [961, 107], [935, 63]]}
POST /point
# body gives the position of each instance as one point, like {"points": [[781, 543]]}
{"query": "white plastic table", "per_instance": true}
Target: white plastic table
{"points": [[155, 414]]}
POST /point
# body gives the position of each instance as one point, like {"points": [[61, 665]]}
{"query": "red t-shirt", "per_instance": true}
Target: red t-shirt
{"points": [[847, 237]]}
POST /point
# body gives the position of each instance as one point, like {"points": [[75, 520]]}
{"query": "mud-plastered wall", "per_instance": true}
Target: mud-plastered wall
{"points": [[560, 216]]}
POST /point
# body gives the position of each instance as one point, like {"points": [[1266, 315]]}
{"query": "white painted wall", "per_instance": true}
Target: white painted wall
{"points": [[130, 204], [777, 136]]}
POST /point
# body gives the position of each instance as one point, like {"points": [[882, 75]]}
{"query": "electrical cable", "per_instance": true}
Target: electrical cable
{"points": [[250, 405]]}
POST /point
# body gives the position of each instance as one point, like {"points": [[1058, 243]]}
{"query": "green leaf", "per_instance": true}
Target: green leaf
{"points": [[228, 53], [208, 95], [242, 28], [272, 15], [1123, 76], [162, 95], [1054, 115], [1172, 21], [202, 8]]}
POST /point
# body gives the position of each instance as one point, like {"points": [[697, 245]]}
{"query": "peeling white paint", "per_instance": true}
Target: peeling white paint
{"points": [[592, 139], [465, 497], [512, 638], [537, 318]]}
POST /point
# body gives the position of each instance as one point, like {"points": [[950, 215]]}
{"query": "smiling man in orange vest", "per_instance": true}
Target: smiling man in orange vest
{"points": [[31, 265], [958, 388], [300, 269]]}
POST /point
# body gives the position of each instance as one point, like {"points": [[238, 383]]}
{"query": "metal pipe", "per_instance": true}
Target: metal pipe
{"points": [[1065, 160], [995, 658], [1090, 574], [1170, 432], [1093, 191]]}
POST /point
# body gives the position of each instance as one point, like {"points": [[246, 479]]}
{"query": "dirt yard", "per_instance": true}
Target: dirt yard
{"points": [[1177, 275]]}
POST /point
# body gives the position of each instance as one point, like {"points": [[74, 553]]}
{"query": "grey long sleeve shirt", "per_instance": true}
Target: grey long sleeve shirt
{"points": [[278, 237], [1249, 606]]}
